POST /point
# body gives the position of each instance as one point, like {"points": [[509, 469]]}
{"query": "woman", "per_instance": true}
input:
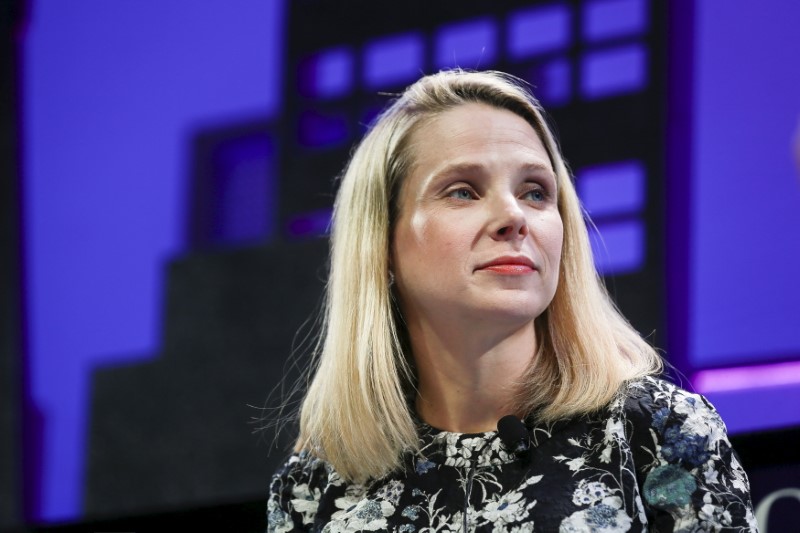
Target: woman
{"points": [[461, 290]]}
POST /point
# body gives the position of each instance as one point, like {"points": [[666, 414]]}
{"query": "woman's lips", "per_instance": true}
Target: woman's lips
{"points": [[509, 268], [509, 265]]}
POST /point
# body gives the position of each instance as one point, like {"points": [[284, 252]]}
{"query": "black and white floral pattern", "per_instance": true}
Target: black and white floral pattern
{"points": [[657, 459]]}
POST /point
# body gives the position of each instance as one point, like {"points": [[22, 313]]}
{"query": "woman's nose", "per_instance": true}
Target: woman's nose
{"points": [[509, 221]]}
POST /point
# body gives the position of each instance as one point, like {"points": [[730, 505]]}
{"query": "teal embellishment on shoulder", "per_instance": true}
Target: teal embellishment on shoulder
{"points": [[669, 487]]}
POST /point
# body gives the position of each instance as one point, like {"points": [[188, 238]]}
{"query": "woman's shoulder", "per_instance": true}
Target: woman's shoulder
{"points": [[302, 468], [295, 491], [658, 412], [686, 468], [656, 400]]}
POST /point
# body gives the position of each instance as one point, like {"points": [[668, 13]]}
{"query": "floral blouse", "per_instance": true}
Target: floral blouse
{"points": [[656, 459]]}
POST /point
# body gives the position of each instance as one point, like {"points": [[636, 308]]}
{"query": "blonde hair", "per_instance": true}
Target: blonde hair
{"points": [[357, 413]]}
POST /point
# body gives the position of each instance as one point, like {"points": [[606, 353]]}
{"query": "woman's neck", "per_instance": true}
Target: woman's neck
{"points": [[468, 378]]}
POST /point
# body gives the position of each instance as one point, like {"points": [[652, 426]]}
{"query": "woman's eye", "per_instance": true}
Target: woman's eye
{"points": [[536, 195], [461, 194]]}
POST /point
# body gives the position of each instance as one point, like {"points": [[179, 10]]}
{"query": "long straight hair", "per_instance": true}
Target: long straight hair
{"points": [[357, 413]]}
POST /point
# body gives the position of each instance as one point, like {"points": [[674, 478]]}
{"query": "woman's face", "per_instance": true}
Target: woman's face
{"points": [[478, 234]]}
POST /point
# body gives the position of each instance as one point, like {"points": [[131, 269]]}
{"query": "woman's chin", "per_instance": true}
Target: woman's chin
{"points": [[517, 310]]}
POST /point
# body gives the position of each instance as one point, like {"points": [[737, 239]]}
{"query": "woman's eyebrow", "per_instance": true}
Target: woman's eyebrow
{"points": [[479, 168], [459, 168], [538, 167]]}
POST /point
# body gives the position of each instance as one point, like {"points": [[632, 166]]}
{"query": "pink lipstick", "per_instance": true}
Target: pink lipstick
{"points": [[509, 265], [509, 269]]}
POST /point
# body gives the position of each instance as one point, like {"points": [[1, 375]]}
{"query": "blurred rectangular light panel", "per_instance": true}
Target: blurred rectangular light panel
{"points": [[613, 71], [539, 30], [470, 45], [613, 189], [317, 129], [611, 19], [748, 377], [328, 74], [391, 61], [555, 82], [744, 259], [245, 199], [619, 247]]}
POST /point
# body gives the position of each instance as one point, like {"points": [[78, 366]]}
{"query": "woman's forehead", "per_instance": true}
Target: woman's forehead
{"points": [[471, 134], [470, 117]]}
